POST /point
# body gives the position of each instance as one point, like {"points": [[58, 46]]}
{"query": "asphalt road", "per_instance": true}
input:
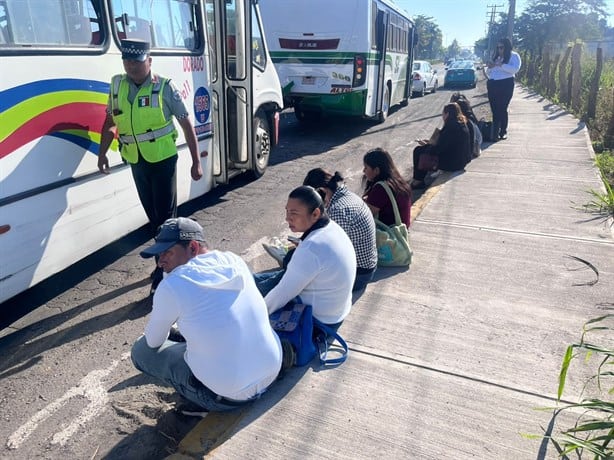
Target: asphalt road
{"points": [[69, 389]]}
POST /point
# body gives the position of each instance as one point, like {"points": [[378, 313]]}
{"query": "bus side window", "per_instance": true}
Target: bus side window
{"points": [[80, 31]]}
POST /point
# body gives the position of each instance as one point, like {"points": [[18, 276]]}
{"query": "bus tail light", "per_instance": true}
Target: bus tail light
{"points": [[360, 70], [417, 76]]}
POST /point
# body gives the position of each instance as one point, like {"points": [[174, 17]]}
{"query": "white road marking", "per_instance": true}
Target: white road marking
{"points": [[89, 387]]}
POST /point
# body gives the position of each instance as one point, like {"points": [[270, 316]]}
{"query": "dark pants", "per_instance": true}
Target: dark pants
{"points": [[499, 96], [156, 184], [419, 174]]}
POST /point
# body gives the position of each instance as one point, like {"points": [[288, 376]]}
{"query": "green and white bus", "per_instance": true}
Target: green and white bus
{"points": [[341, 57]]}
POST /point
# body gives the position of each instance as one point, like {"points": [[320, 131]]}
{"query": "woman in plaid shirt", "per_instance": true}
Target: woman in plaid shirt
{"points": [[352, 214]]}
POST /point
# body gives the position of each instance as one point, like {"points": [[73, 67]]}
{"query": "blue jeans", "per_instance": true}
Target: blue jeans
{"points": [[363, 277], [167, 364], [266, 281]]}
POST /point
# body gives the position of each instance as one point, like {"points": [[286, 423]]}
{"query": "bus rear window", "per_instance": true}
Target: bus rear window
{"points": [[49, 23]]}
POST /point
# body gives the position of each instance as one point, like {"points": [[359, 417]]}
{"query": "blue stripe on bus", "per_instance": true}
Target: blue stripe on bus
{"points": [[15, 95], [83, 142]]}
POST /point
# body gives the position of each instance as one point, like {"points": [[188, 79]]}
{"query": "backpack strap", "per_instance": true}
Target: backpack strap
{"points": [[393, 202], [322, 343]]}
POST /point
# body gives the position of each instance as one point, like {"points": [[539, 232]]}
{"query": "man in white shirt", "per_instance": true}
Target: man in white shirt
{"points": [[231, 354]]}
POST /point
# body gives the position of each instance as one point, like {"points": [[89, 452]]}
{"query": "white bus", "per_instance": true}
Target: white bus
{"points": [[342, 57], [57, 58]]}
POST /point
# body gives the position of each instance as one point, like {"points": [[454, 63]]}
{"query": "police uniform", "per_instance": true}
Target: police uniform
{"points": [[143, 115]]}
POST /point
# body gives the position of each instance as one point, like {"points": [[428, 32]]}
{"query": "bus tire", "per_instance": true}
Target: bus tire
{"points": [[262, 144], [385, 105]]}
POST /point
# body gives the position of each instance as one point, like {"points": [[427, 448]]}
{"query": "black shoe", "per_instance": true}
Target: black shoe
{"points": [[174, 335], [190, 409]]}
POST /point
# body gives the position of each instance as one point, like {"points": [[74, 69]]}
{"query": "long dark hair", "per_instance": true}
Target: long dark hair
{"points": [[388, 172], [465, 106], [455, 114], [507, 50], [321, 178]]}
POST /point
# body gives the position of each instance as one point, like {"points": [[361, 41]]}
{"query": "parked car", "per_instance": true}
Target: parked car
{"points": [[461, 73], [424, 78]]}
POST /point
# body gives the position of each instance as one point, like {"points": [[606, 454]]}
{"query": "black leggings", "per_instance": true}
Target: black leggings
{"points": [[499, 96]]}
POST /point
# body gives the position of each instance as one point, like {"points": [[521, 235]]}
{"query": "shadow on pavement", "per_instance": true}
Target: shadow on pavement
{"points": [[33, 340]]}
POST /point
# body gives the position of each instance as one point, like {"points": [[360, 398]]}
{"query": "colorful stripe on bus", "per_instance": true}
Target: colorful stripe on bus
{"points": [[67, 108]]}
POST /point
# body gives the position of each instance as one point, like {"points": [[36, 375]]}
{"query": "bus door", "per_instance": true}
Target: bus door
{"points": [[229, 30], [410, 61], [382, 36]]}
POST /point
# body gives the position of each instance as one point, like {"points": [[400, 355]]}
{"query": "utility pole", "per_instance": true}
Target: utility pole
{"points": [[492, 15], [510, 20]]}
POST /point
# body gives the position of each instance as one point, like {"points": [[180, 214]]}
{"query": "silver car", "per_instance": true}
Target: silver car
{"points": [[424, 78]]}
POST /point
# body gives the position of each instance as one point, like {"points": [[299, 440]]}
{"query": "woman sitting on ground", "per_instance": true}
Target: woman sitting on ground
{"points": [[322, 267], [475, 135], [353, 215], [379, 167], [452, 149]]}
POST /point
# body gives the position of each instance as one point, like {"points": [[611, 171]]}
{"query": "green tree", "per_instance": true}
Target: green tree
{"points": [[559, 21], [454, 49], [428, 44]]}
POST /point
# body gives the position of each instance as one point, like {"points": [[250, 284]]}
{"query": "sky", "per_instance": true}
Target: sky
{"points": [[466, 20]]}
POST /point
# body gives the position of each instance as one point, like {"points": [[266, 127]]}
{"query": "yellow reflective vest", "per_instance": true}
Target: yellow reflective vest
{"points": [[141, 125]]}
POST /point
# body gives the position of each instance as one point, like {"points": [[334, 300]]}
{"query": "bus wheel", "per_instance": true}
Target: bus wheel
{"points": [[262, 144], [385, 106]]}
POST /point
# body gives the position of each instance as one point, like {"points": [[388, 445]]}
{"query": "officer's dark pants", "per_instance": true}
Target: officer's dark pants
{"points": [[156, 184]]}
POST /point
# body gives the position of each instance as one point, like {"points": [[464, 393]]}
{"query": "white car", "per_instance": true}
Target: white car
{"points": [[424, 78]]}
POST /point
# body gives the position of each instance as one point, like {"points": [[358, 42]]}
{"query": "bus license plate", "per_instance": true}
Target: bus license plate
{"points": [[309, 80]]}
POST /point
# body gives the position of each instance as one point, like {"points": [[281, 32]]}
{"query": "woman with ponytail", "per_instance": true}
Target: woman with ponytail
{"points": [[353, 215]]}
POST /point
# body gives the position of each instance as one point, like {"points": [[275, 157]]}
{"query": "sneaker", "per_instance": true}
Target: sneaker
{"points": [[288, 359], [277, 250], [190, 409]]}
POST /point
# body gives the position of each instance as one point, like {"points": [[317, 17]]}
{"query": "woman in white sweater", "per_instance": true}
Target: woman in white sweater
{"points": [[500, 70], [322, 267]]}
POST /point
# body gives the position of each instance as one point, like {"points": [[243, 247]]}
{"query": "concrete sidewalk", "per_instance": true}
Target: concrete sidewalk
{"points": [[450, 359]]}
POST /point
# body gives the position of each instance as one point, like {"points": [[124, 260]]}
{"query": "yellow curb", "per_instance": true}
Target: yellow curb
{"points": [[429, 193], [208, 434]]}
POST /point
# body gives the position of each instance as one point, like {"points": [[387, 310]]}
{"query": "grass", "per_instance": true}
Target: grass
{"points": [[602, 203], [592, 436]]}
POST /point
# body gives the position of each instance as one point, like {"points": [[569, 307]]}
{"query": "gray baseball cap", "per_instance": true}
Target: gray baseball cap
{"points": [[171, 232]]}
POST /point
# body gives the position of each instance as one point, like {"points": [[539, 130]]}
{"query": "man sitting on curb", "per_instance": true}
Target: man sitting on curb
{"points": [[231, 354]]}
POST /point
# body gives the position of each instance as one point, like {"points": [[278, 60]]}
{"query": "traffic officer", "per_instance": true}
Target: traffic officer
{"points": [[140, 112]]}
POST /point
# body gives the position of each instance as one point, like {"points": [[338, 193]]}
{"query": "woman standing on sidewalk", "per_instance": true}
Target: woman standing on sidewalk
{"points": [[501, 70]]}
